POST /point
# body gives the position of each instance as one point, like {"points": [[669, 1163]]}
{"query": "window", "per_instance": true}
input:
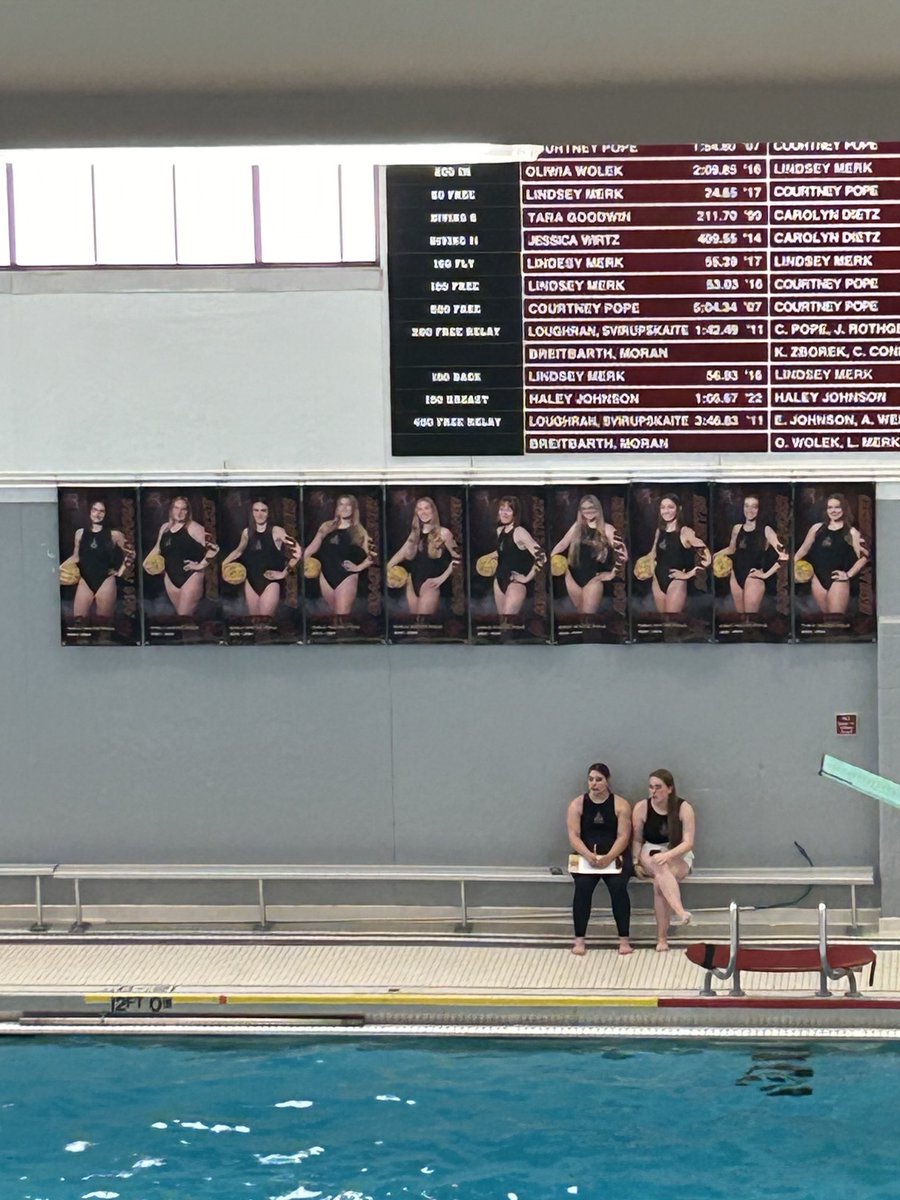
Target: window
{"points": [[191, 207], [204, 206]]}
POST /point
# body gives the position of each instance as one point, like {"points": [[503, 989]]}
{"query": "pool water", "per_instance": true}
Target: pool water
{"points": [[448, 1119]]}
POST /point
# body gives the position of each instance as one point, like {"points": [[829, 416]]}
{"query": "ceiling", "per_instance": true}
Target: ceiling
{"points": [[94, 71]]}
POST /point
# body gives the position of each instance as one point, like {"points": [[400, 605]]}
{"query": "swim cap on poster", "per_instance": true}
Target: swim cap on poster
{"points": [[559, 564]]}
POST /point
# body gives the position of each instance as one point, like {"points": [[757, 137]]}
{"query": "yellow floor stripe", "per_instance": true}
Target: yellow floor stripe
{"points": [[348, 998]]}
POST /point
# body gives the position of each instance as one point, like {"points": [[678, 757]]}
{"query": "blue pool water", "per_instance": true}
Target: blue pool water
{"points": [[445, 1120]]}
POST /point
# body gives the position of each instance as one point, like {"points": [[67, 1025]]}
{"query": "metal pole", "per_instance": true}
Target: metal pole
{"points": [[263, 917], [735, 921], [823, 952], [80, 924], [38, 926]]}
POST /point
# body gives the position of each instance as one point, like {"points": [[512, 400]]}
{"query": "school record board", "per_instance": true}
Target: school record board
{"points": [[724, 298]]}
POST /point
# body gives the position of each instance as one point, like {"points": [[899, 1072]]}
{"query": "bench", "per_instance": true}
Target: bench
{"points": [[849, 877], [37, 872]]}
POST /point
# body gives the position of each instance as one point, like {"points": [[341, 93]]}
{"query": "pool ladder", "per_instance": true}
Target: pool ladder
{"points": [[732, 969]]}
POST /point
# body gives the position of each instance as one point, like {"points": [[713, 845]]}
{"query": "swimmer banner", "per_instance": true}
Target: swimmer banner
{"points": [[589, 538], [671, 598], [343, 572], [834, 537], [752, 534], [179, 549], [98, 586], [426, 572], [510, 600], [259, 548], [487, 564]]}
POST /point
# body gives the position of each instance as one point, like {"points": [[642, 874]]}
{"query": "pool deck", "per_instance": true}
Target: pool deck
{"points": [[391, 980]]}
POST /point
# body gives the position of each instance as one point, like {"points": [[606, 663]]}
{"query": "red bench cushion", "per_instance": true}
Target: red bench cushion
{"points": [[760, 958]]}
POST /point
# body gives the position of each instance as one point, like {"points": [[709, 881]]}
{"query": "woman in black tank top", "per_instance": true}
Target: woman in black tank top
{"points": [[756, 554], [430, 553], [663, 849], [836, 551], [266, 552], [101, 555], [595, 554], [599, 827], [187, 550], [345, 550], [519, 558], [677, 555]]}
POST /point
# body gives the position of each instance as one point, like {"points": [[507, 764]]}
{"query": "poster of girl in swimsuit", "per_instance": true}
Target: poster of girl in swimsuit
{"points": [[510, 600], [426, 570], [588, 540], [98, 592], [343, 564], [671, 593], [833, 562], [180, 565], [751, 568], [259, 540]]}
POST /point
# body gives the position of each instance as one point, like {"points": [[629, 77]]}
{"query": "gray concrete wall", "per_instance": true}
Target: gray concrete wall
{"points": [[416, 754]]}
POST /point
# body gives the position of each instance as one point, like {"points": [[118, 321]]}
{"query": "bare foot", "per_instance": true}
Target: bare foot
{"points": [[681, 919], [625, 947], [661, 947], [579, 946]]}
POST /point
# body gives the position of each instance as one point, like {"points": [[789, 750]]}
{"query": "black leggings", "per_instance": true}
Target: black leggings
{"points": [[617, 886]]}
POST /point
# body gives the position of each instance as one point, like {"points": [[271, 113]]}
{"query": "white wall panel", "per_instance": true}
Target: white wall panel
{"points": [[163, 381]]}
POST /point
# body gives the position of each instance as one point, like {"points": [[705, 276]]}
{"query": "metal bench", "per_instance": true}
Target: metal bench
{"points": [[37, 872], [849, 877]]}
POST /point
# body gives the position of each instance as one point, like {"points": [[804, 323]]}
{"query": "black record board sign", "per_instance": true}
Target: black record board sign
{"points": [[723, 298]]}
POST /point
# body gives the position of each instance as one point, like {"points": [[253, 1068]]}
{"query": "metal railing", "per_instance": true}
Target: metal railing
{"points": [[731, 969]]}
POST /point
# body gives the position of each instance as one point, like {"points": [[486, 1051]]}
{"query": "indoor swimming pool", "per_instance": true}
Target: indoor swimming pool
{"points": [[451, 1119]]}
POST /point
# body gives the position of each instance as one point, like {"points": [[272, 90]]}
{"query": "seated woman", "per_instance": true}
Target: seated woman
{"points": [[599, 827], [663, 850]]}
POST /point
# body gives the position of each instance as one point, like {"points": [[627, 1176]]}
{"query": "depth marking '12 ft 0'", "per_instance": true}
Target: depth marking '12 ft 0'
{"points": [[719, 297]]}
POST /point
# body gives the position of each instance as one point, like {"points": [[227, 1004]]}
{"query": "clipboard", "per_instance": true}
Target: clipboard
{"points": [[579, 865]]}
